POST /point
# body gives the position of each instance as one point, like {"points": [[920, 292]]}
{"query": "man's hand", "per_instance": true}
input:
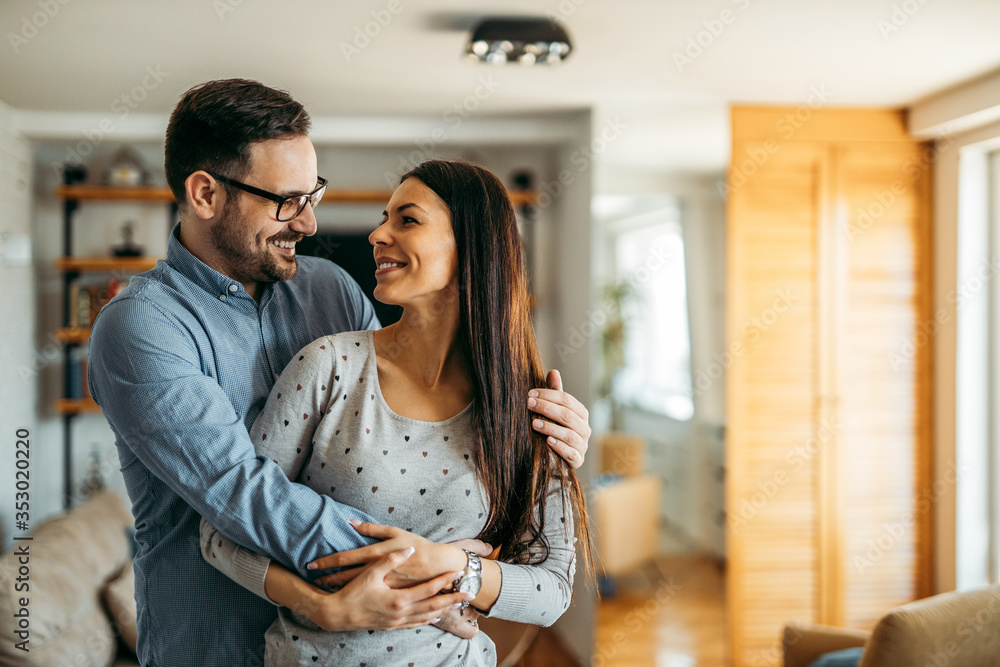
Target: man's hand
{"points": [[430, 559], [568, 432], [367, 602]]}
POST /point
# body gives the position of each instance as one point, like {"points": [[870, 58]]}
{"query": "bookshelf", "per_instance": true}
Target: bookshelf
{"points": [[77, 313]]}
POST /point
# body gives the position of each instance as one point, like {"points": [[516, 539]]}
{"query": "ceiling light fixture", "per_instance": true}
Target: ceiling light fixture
{"points": [[526, 41]]}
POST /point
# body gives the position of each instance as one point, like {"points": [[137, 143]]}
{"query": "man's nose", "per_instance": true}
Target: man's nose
{"points": [[305, 222]]}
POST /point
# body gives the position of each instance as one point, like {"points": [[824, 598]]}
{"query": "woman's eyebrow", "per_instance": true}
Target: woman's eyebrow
{"points": [[400, 209]]}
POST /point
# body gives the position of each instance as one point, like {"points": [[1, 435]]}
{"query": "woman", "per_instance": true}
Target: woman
{"points": [[423, 425]]}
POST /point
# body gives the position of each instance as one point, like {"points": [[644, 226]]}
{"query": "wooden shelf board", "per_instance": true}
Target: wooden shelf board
{"points": [[73, 335], [109, 264], [112, 193], [72, 406]]}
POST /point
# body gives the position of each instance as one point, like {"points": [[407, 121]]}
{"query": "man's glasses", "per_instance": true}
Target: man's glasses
{"points": [[288, 207]]}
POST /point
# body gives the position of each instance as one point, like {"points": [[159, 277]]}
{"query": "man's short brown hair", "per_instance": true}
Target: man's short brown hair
{"points": [[213, 125]]}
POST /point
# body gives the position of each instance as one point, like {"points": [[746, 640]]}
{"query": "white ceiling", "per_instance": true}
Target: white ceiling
{"points": [[862, 52]]}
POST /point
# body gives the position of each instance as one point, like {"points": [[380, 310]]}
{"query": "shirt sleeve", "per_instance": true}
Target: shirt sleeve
{"points": [[539, 594], [302, 388], [146, 374]]}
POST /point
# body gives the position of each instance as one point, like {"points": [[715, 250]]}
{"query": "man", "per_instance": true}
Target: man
{"points": [[182, 362]]}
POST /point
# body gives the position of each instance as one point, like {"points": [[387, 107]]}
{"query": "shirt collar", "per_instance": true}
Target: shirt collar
{"points": [[180, 259]]}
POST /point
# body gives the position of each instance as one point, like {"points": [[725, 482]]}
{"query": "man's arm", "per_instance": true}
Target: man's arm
{"points": [[569, 431], [146, 375]]}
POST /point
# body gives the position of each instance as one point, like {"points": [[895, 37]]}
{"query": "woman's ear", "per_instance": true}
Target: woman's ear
{"points": [[205, 195]]}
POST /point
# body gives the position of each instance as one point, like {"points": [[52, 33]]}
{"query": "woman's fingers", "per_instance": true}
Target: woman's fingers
{"points": [[353, 557], [380, 568], [430, 589]]}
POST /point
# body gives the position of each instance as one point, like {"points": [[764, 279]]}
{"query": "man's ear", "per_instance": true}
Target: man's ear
{"points": [[205, 195]]}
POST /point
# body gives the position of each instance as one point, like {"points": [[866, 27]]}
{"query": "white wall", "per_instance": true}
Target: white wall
{"points": [[20, 356]]}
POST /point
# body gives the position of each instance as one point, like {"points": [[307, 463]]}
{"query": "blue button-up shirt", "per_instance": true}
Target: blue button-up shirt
{"points": [[181, 363]]}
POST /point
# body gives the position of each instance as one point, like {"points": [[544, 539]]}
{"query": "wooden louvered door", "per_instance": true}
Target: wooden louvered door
{"points": [[828, 445]]}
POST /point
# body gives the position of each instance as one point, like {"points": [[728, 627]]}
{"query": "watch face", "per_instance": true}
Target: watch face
{"points": [[470, 585]]}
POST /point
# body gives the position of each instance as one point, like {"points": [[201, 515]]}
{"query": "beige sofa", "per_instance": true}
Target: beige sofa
{"points": [[80, 602], [954, 629]]}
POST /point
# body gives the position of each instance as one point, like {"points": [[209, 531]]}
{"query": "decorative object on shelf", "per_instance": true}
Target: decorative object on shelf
{"points": [[126, 169], [74, 173], [528, 41], [128, 248]]}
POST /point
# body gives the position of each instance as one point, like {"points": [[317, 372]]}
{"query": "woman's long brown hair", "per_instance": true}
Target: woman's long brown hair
{"points": [[504, 363]]}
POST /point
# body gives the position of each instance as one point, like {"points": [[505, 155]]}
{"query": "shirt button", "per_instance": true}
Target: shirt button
{"points": [[222, 297], [233, 288]]}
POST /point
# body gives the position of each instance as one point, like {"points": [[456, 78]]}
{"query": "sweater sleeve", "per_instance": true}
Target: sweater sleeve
{"points": [[539, 594], [302, 389]]}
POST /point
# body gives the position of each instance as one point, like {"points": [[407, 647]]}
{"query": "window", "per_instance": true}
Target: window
{"points": [[648, 257]]}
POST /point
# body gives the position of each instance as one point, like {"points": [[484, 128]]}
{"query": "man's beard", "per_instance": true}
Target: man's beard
{"points": [[246, 262]]}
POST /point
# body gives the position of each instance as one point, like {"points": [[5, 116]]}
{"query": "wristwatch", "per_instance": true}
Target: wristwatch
{"points": [[472, 577]]}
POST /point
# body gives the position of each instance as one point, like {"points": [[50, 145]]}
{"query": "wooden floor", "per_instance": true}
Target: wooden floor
{"points": [[670, 614]]}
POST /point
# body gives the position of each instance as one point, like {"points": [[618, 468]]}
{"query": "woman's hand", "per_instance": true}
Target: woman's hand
{"points": [[429, 560], [367, 602]]}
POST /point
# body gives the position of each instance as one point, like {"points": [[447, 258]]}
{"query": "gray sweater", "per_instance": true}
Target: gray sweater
{"points": [[327, 426]]}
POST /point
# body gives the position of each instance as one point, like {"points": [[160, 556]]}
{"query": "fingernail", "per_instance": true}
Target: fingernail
{"points": [[312, 566], [457, 575], [455, 606], [551, 440], [408, 551], [532, 402], [436, 620], [533, 393], [537, 423], [469, 597]]}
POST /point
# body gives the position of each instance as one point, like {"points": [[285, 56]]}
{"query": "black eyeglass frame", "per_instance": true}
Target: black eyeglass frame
{"points": [[310, 197]]}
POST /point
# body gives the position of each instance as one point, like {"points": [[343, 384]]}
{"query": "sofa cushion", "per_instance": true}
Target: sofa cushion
{"points": [[951, 628], [70, 558], [119, 596]]}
